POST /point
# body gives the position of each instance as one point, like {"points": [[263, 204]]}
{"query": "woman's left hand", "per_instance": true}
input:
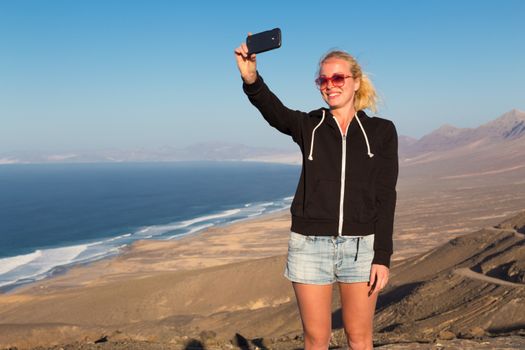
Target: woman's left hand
{"points": [[378, 278]]}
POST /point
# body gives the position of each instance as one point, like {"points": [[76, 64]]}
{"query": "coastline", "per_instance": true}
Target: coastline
{"points": [[95, 214], [262, 236]]}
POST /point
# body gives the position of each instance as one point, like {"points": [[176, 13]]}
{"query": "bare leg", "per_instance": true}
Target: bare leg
{"points": [[358, 314], [315, 307]]}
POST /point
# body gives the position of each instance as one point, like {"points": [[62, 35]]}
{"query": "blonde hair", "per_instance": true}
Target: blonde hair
{"points": [[365, 96]]}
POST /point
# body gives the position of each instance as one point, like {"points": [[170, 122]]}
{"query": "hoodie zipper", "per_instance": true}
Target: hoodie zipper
{"points": [[343, 177]]}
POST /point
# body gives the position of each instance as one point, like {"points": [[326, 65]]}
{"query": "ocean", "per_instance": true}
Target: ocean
{"points": [[54, 216]]}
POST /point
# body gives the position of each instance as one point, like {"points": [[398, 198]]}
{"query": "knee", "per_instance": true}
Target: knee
{"points": [[318, 340], [360, 341]]}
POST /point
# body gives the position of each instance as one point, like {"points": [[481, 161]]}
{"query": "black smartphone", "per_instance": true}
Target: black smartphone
{"points": [[264, 41]]}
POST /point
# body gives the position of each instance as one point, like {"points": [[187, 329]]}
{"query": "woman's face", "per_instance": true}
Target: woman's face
{"points": [[338, 96]]}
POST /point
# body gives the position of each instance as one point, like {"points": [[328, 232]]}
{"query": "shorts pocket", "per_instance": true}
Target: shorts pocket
{"points": [[369, 242], [297, 242]]}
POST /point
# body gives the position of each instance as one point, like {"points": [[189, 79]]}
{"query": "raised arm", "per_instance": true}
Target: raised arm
{"points": [[279, 116]]}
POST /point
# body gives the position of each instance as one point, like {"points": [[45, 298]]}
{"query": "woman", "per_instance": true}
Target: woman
{"points": [[343, 209]]}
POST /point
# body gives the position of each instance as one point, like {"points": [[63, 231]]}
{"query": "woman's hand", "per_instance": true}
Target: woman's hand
{"points": [[247, 64], [378, 278]]}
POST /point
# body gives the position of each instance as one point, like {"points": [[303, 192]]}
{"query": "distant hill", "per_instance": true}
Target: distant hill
{"points": [[508, 127], [496, 149], [496, 137], [205, 151]]}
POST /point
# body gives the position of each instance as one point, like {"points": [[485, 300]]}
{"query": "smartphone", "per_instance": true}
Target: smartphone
{"points": [[264, 41]]}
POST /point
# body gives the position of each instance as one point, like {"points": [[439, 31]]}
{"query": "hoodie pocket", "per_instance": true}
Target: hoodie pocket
{"points": [[324, 200], [361, 206]]}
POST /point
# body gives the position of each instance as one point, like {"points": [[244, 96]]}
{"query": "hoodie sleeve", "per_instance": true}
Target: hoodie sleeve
{"points": [[272, 109], [386, 196]]}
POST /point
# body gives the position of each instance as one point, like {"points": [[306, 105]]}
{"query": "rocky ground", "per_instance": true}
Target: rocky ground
{"points": [[483, 343]]}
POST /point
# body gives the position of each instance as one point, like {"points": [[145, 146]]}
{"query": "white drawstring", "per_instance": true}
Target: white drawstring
{"points": [[310, 157], [370, 154]]}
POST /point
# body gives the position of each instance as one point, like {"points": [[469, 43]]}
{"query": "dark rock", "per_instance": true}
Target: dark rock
{"points": [[240, 341], [102, 339], [194, 344]]}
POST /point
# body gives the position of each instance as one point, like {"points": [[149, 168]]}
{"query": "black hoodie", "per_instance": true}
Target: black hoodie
{"points": [[347, 184]]}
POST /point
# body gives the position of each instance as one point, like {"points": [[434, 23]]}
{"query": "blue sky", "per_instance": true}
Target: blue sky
{"points": [[89, 75]]}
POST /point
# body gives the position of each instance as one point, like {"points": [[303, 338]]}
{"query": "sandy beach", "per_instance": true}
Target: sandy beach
{"points": [[261, 237]]}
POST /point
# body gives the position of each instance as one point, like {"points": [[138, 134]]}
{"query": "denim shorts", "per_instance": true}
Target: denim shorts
{"points": [[327, 259]]}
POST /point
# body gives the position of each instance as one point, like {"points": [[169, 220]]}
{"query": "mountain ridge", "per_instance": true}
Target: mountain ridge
{"points": [[508, 127]]}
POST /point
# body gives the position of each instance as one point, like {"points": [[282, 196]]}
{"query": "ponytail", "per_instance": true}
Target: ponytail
{"points": [[365, 96]]}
